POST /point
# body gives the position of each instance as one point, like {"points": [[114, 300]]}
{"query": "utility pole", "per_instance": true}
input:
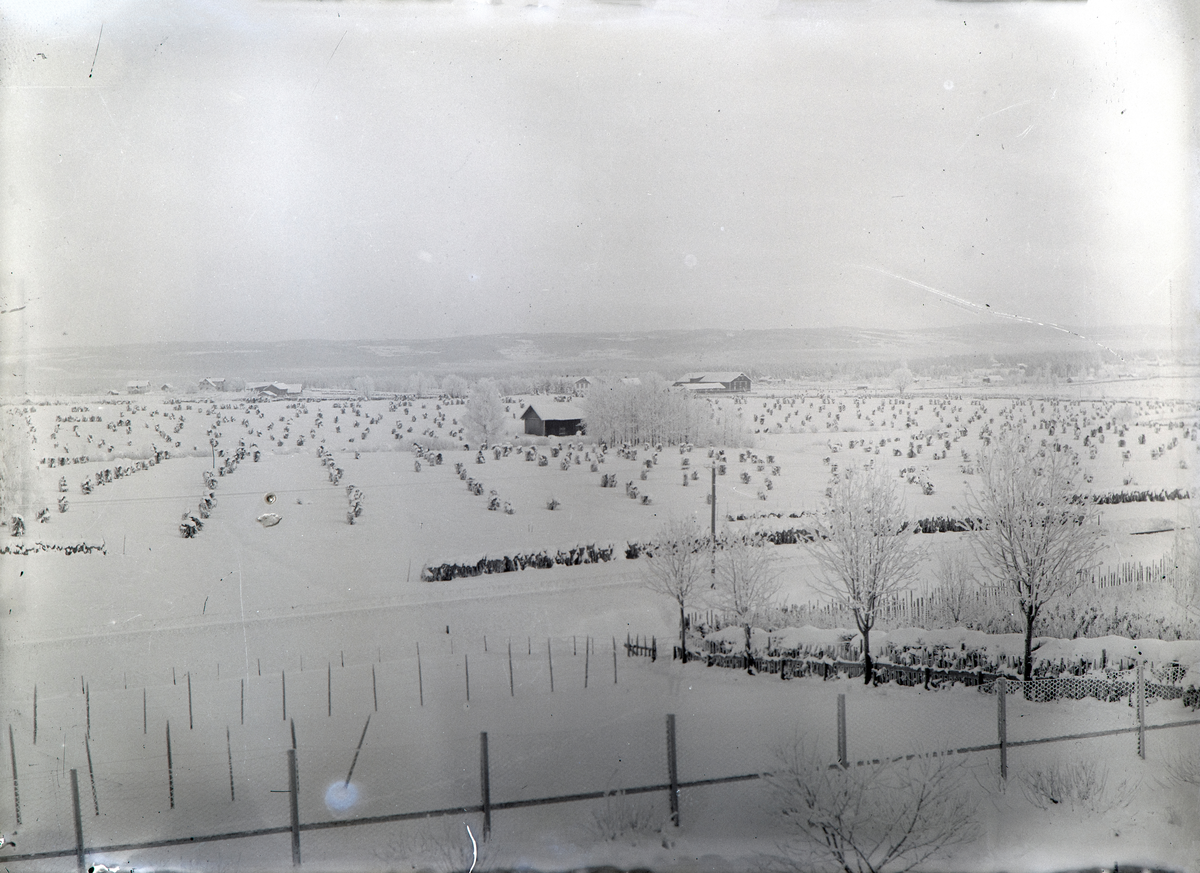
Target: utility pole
{"points": [[713, 501]]}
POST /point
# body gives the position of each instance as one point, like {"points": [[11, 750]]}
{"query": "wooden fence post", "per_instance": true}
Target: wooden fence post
{"points": [[672, 770], [1141, 709], [294, 804], [1002, 724], [170, 769], [841, 730], [485, 784], [354, 761], [229, 753], [12, 751], [420, 680], [87, 747], [78, 819]]}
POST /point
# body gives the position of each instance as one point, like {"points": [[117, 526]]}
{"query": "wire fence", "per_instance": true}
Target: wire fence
{"points": [[189, 760]]}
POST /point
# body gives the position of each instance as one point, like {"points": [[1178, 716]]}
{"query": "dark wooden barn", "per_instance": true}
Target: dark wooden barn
{"points": [[560, 427]]}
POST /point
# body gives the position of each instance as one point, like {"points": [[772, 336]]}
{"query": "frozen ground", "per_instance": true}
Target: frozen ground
{"points": [[93, 632]]}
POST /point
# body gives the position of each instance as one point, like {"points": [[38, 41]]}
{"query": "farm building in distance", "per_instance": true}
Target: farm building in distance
{"points": [[212, 384], [137, 387], [271, 390], [713, 383], [570, 422]]}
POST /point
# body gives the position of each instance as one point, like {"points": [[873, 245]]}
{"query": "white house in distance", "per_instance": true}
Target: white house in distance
{"points": [[714, 383]]}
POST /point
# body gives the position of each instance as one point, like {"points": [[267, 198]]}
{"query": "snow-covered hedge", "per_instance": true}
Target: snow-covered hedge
{"points": [[590, 554], [80, 548]]}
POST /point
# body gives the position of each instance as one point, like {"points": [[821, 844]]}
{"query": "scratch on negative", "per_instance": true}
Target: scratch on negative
{"points": [[985, 309], [328, 62], [474, 849], [97, 54]]}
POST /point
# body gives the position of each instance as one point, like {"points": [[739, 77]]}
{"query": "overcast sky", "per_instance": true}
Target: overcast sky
{"points": [[222, 169]]}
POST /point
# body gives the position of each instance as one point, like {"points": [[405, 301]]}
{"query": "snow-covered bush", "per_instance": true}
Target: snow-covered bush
{"points": [[891, 815], [1183, 769], [1080, 784], [442, 846], [622, 818]]}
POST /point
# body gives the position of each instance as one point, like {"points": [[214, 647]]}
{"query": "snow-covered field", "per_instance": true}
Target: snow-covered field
{"points": [[112, 640]]}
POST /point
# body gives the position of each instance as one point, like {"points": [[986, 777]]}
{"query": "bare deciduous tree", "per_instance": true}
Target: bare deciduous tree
{"points": [[864, 546], [1184, 559], [1036, 538], [747, 579], [677, 565], [888, 816], [956, 586]]}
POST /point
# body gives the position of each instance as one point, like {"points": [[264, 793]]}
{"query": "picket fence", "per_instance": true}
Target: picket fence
{"points": [[911, 608]]}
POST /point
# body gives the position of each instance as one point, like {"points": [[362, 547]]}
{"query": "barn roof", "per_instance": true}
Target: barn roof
{"points": [[727, 376], [277, 388], [558, 412]]}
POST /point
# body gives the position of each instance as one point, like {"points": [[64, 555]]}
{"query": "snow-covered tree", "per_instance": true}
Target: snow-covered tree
{"points": [[485, 417], [419, 383], [1036, 537], [864, 546], [957, 588], [364, 385], [1184, 560], [651, 410], [881, 817], [901, 378], [677, 565], [747, 579], [455, 386]]}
